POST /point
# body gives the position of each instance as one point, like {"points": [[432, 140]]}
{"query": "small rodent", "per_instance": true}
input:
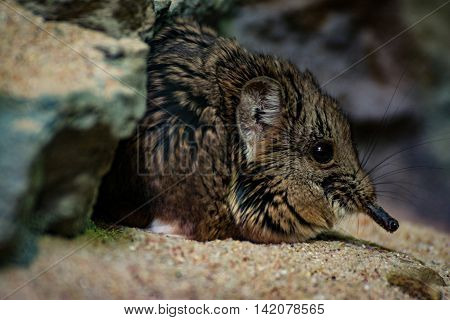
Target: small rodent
{"points": [[235, 144]]}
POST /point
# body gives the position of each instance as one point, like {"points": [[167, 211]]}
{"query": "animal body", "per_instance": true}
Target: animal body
{"points": [[235, 144]]}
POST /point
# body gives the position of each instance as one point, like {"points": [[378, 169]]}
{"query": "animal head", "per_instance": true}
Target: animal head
{"points": [[300, 172]]}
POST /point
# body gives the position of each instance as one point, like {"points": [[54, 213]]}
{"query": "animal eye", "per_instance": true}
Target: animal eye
{"points": [[322, 152]]}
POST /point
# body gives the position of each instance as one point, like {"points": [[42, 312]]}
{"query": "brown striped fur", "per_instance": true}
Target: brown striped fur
{"points": [[214, 171]]}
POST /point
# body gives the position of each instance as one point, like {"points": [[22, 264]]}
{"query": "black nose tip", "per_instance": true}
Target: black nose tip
{"points": [[393, 225], [382, 218]]}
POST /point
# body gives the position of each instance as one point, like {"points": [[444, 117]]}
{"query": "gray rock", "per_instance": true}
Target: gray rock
{"points": [[67, 95], [122, 17]]}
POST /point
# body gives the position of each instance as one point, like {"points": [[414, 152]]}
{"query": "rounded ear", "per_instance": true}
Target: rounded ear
{"points": [[259, 108]]}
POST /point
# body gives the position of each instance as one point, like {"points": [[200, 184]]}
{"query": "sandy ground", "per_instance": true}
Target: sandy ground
{"points": [[135, 264]]}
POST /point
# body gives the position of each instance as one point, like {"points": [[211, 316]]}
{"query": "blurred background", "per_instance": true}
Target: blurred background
{"points": [[388, 64]]}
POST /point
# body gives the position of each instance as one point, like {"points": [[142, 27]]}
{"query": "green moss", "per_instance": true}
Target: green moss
{"points": [[336, 236], [105, 233]]}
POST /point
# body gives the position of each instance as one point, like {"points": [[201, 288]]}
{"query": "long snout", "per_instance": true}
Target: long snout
{"points": [[381, 217]]}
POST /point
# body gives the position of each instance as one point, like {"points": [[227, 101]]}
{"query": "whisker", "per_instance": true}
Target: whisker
{"points": [[406, 197], [403, 170], [401, 182], [409, 148], [399, 197], [399, 152], [394, 198], [372, 145], [401, 187]]}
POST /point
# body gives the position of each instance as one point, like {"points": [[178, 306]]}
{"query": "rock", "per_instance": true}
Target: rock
{"points": [[67, 95], [122, 17], [140, 265]]}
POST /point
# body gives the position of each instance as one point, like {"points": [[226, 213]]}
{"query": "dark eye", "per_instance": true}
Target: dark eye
{"points": [[322, 152]]}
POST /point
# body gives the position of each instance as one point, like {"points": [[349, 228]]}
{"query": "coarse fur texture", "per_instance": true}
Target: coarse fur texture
{"points": [[224, 149]]}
